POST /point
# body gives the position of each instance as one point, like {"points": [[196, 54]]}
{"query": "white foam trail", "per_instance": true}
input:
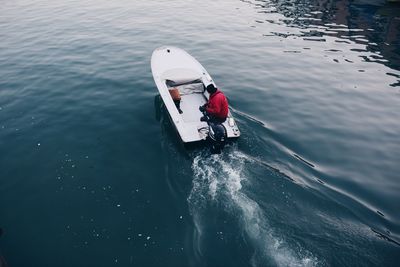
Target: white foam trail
{"points": [[219, 178]]}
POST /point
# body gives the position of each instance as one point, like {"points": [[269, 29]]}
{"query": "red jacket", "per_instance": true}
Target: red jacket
{"points": [[217, 105]]}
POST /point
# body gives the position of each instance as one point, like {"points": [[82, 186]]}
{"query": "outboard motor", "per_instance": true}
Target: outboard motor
{"points": [[217, 135]]}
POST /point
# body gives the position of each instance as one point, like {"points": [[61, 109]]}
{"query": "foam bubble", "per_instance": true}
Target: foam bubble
{"points": [[219, 178]]}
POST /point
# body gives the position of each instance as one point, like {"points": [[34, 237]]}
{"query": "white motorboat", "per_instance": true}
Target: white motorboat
{"points": [[175, 69]]}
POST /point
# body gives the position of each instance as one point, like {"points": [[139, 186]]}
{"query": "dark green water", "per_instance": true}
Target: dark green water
{"points": [[92, 172]]}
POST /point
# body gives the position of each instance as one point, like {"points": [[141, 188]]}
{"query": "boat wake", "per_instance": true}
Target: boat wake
{"points": [[219, 179]]}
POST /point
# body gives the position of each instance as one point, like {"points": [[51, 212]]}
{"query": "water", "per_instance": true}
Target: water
{"points": [[92, 172]]}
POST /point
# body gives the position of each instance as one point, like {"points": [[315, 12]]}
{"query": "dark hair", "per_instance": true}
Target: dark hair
{"points": [[211, 89]]}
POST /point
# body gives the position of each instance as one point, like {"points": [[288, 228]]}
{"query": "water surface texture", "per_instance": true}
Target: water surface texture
{"points": [[92, 172]]}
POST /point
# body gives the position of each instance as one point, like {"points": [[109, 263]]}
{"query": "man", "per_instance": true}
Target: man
{"points": [[217, 107]]}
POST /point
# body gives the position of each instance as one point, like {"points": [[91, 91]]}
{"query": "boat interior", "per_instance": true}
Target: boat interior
{"points": [[192, 96]]}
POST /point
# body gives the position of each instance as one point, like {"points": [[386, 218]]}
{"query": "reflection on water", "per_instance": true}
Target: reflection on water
{"points": [[373, 25]]}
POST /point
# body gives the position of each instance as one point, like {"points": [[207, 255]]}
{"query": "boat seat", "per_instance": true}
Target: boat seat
{"points": [[190, 105], [191, 88]]}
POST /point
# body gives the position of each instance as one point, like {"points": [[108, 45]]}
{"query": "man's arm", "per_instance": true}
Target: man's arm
{"points": [[212, 109]]}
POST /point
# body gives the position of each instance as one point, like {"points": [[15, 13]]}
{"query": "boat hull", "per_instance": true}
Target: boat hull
{"points": [[174, 68]]}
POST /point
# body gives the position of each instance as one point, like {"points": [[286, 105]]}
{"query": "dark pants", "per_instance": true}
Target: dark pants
{"points": [[216, 119]]}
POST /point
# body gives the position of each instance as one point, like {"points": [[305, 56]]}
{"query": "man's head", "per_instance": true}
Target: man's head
{"points": [[211, 89]]}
